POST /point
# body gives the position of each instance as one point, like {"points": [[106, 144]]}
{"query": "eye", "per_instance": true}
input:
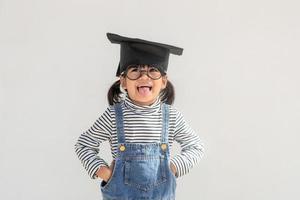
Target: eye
{"points": [[132, 68], [153, 69]]}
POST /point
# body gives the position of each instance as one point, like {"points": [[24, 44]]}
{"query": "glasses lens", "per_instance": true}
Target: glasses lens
{"points": [[154, 73], [134, 72]]}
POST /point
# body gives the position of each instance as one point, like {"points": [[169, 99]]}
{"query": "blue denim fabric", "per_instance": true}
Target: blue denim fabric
{"points": [[141, 171]]}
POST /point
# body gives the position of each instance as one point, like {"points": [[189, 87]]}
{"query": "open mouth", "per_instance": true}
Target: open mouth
{"points": [[144, 90]]}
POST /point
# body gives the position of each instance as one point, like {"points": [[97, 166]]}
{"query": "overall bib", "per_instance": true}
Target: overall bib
{"points": [[141, 171]]}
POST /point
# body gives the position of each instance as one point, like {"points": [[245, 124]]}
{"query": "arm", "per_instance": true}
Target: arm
{"points": [[191, 147], [87, 145]]}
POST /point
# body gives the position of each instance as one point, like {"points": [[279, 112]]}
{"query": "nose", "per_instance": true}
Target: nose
{"points": [[144, 74]]}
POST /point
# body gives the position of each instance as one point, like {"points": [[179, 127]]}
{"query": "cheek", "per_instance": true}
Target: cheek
{"points": [[157, 88], [131, 87], [161, 84], [126, 84]]}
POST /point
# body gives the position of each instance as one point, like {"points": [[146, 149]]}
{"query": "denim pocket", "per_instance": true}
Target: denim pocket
{"points": [[171, 172], [104, 184], [145, 173]]}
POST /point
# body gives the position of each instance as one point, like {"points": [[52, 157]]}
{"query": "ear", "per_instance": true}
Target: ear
{"points": [[164, 82], [123, 82]]}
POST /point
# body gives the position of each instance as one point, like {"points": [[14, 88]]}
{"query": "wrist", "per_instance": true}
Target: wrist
{"points": [[173, 169]]}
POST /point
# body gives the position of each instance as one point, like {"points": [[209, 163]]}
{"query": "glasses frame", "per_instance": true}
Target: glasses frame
{"points": [[142, 71]]}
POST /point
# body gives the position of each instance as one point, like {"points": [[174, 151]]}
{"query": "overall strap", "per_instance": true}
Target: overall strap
{"points": [[165, 125], [119, 123]]}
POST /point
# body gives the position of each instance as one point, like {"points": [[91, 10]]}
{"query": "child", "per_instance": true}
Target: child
{"points": [[141, 128]]}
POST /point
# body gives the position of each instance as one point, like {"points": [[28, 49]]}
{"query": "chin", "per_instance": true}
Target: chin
{"points": [[144, 102]]}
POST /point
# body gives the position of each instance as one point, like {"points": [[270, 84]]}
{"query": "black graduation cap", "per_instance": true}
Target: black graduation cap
{"points": [[138, 51]]}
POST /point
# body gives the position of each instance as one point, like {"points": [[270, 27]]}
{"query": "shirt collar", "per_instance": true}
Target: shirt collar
{"points": [[153, 108]]}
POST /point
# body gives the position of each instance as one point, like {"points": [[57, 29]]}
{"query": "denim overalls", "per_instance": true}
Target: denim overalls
{"points": [[141, 171]]}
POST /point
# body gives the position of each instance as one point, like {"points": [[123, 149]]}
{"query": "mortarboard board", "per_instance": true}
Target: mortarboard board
{"points": [[138, 51]]}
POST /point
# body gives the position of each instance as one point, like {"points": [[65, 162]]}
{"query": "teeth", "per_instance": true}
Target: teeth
{"points": [[144, 86]]}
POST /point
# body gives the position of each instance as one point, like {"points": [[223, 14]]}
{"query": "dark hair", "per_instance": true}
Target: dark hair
{"points": [[167, 95]]}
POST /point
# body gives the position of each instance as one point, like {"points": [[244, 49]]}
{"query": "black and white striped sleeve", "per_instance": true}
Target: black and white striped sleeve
{"points": [[87, 145], [191, 146]]}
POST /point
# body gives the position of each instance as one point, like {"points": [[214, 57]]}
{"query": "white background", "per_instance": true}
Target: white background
{"points": [[237, 84]]}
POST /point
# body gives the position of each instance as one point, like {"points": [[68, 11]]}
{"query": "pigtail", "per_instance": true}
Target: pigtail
{"points": [[167, 95], [114, 93]]}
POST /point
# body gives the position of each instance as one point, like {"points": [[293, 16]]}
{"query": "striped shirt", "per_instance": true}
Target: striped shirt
{"points": [[142, 124]]}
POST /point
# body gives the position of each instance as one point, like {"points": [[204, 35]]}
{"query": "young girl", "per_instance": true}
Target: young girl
{"points": [[141, 128]]}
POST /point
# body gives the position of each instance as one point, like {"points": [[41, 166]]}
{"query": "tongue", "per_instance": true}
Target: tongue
{"points": [[144, 91]]}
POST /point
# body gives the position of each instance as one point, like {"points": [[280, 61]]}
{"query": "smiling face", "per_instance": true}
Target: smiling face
{"points": [[144, 90]]}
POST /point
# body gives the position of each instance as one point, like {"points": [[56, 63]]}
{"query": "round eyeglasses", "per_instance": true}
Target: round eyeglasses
{"points": [[134, 72]]}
